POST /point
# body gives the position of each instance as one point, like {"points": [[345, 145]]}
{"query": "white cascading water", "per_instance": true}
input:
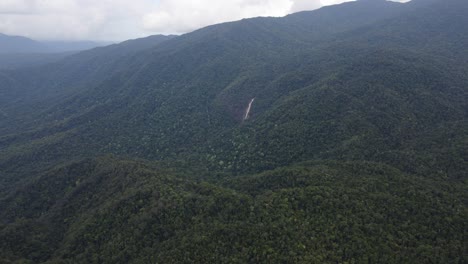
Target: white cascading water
{"points": [[247, 112]]}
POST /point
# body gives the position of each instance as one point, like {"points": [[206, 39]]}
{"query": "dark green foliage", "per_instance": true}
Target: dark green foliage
{"points": [[110, 211], [343, 98], [355, 150]]}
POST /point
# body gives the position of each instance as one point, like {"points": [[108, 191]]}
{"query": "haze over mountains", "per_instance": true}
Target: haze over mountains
{"points": [[18, 44], [354, 150], [17, 51]]}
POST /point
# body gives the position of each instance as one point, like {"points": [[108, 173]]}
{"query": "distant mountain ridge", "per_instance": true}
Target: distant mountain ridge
{"points": [[19, 44], [18, 52], [56, 51]]}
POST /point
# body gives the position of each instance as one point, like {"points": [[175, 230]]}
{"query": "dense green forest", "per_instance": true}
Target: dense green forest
{"points": [[355, 149], [115, 211]]}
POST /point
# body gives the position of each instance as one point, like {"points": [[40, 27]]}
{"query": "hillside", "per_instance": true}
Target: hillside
{"points": [[354, 149], [34, 88], [22, 60], [111, 211], [186, 99]]}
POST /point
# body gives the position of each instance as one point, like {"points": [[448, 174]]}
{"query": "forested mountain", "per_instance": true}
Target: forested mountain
{"points": [[21, 60], [33, 88], [331, 136], [111, 211], [86, 66]]}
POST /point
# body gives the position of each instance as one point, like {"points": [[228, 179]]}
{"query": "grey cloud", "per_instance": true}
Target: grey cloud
{"points": [[124, 19], [300, 5]]}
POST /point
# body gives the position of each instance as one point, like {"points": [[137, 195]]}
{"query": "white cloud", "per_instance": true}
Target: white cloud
{"points": [[300, 5], [74, 19], [123, 19], [186, 15]]}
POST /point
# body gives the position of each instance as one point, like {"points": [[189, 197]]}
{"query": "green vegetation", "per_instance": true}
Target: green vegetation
{"points": [[111, 211], [355, 152]]}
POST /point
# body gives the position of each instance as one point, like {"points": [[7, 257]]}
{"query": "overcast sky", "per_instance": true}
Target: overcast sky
{"points": [[116, 20]]}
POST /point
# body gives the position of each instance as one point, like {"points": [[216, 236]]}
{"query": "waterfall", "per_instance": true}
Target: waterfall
{"points": [[247, 111]]}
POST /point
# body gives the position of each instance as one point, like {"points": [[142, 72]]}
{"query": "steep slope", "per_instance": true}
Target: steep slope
{"points": [[350, 98], [26, 91], [432, 26], [246, 37], [85, 67], [380, 105], [248, 45]]}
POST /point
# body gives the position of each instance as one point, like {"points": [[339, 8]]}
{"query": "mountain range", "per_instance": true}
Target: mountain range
{"points": [[17, 52], [331, 136], [18, 44]]}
